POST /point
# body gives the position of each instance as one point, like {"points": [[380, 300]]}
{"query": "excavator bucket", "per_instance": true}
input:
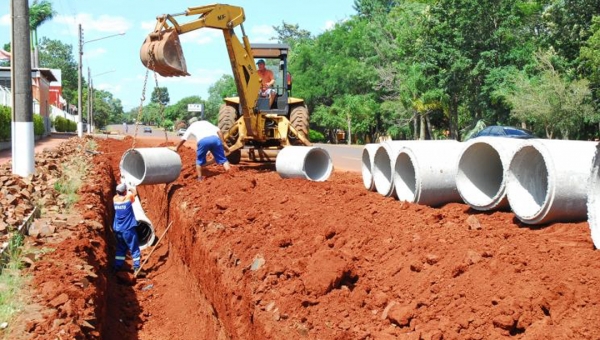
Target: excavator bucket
{"points": [[161, 52]]}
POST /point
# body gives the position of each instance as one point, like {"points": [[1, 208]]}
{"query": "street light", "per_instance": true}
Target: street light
{"points": [[81, 43]]}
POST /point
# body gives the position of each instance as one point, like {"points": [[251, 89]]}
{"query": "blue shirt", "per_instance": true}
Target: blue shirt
{"points": [[124, 217]]}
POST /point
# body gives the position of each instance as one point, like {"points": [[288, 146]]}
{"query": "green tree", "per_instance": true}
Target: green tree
{"points": [[160, 95], [58, 55], [568, 23], [469, 40], [290, 34], [179, 111], [39, 13], [371, 8], [223, 88], [550, 99], [106, 109], [590, 60]]}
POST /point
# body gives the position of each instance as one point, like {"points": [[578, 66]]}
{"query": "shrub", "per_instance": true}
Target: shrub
{"points": [[5, 122], [64, 125], [315, 136], [71, 126], [38, 125], [59, 124]]}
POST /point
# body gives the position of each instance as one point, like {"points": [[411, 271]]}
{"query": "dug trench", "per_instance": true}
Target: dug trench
{"points": [[250, 255]]}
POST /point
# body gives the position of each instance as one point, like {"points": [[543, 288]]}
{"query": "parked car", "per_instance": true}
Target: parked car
{"points": [[505, 131], [180, 132], [148, 129]]}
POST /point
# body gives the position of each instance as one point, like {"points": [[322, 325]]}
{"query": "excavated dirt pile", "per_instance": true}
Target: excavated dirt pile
{"points": [[252, 256], [293, 259]]}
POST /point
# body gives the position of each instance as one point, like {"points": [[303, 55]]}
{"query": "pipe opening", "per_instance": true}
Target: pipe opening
{"points": [[382, 172], [593, 201], [367, 169], [480, 175], [405, 178], [317, 165], [528, 183], [134, 164], [145, 233]]}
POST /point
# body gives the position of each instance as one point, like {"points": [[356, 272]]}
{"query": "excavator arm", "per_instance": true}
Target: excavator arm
{"points": [[162, 52]]}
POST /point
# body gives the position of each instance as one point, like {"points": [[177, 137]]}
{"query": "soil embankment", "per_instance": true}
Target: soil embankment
{"points": [[254, 256], [284, 259]]}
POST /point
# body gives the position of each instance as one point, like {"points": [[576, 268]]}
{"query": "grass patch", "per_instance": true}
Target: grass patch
{"points": [[12, 280], [71, 180], [91, 145]]}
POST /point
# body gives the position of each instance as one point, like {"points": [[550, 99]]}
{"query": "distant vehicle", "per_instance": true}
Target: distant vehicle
{"points": [[148, 129], [180, 132], [505, 131]]}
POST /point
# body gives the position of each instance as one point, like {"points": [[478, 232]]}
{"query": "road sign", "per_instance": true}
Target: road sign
{"points": [[195, 107]]}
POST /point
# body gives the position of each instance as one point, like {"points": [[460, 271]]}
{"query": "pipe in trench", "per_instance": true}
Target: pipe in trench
{"points": [[593, 199], [142, 166], [482, 168], [367, 160], [547, 180], [425, 172], [308, 162], [144, 229]]}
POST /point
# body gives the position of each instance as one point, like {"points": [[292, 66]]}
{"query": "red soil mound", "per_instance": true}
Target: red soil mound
{"points": [[253, 256], [279, 259]]}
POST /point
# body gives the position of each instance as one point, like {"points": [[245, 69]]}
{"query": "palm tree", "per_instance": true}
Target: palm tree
{"points": [[39, 12]]}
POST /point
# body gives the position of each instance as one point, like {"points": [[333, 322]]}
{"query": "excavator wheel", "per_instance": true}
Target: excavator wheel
{"points": [[299, 121], [227, 119]]}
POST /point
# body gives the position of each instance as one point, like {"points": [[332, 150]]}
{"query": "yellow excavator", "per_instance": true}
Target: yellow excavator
{"points": [[250, 123]]}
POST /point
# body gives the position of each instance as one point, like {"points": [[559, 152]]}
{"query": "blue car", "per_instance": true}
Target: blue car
{"points": [[505, 131]]}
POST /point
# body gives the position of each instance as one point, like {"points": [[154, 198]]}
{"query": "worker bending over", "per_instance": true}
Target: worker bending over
{"points": [[208, 138]]}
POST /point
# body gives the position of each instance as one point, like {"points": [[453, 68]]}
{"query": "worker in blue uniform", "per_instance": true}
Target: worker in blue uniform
{"points": [[124, 227]]}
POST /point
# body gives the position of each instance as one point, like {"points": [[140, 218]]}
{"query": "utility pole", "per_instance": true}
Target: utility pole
{"points": [[79, 113], [89, 106], [22, 127]]}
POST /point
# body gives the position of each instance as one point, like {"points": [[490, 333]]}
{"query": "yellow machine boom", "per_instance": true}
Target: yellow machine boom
{"points": [[162, 52]]}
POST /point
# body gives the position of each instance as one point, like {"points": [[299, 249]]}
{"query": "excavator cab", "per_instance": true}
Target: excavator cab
{"points": [[275, 58], [285, 112]]}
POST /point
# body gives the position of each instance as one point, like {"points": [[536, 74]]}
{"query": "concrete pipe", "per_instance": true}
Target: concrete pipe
{"points": [[309, 162], [425, 172], [547, 180], [150, 166], [593, 199], [482, 168], [368, 157], [144, 229], [383, 166]]}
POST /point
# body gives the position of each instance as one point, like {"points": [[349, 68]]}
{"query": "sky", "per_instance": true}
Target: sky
{"points": [[114, 61]]}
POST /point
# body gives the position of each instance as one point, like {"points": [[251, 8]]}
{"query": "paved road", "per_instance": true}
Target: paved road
{"points": [[344, 157]]}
